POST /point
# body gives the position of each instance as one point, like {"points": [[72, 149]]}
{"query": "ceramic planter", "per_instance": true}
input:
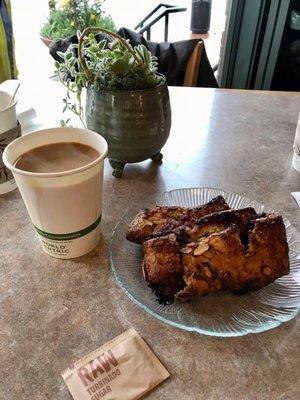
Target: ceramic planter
{"points": [[136, 124]]}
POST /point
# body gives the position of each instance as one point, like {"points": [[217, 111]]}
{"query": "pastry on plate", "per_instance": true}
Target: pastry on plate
{"points": [[244, 256], [191, 252], [159, 221], [225, 261]]}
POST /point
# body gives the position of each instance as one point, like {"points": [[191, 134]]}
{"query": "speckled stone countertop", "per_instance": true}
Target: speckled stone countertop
{"points": [[53, 312]]}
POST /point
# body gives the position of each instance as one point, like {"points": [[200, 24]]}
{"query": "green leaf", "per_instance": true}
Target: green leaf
{"points": [[118, 54], [139, 53], [119, 67], [64, 122], [93, 49], [61, 54], [102, 45]]}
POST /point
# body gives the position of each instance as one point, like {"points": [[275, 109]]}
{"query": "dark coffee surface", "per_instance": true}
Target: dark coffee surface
{"points": [[57, 157]]}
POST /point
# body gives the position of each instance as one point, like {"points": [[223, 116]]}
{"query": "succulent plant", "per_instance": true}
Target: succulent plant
{"points": [[109, 65]]}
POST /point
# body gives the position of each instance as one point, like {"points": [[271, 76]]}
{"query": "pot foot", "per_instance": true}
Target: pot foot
{"points": [[118, 168], [157, 157], [117, 173]]}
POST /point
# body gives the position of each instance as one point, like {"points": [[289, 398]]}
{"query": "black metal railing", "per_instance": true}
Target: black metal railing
{"points": [[145, 25]]}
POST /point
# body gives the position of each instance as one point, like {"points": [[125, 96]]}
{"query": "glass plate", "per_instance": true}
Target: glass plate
{"points": [[217, 314]]}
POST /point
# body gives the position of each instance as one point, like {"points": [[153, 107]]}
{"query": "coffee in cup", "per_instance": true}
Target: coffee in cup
{"points": [[57, 157]]}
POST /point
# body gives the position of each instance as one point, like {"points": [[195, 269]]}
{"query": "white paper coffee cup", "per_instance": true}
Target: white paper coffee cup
{"points": [[8, 115], [8, 121], [65, 207]]}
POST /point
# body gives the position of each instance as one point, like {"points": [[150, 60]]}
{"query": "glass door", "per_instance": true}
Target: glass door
{"points": [[254, 32]]}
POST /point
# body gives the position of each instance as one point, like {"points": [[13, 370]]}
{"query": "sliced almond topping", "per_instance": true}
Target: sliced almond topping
{"points": [[201, 248], [186, 250], [207, 272], [172, 238], [147, 222]]}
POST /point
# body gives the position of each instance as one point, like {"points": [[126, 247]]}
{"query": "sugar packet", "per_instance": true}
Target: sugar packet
{"points": [[123, 369]]}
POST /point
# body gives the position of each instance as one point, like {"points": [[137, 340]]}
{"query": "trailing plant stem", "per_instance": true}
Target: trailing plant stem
{"points": [[89, 74]]}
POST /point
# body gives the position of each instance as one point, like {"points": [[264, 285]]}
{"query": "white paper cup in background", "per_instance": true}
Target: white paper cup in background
{"points": [[65, 207], [8, 115], [8, 132]]}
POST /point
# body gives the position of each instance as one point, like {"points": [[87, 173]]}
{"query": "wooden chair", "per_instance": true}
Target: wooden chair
{"points": [[192, 69]]}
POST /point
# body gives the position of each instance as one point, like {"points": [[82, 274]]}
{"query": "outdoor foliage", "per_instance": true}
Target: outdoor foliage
{"points": [[69, 16]]}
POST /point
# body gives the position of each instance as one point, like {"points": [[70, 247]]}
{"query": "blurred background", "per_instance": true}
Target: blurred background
{"points": [[251, 44], [33, 56]]}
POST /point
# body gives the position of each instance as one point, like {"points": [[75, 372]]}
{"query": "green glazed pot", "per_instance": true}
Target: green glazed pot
{"points": [[136, 124]]}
